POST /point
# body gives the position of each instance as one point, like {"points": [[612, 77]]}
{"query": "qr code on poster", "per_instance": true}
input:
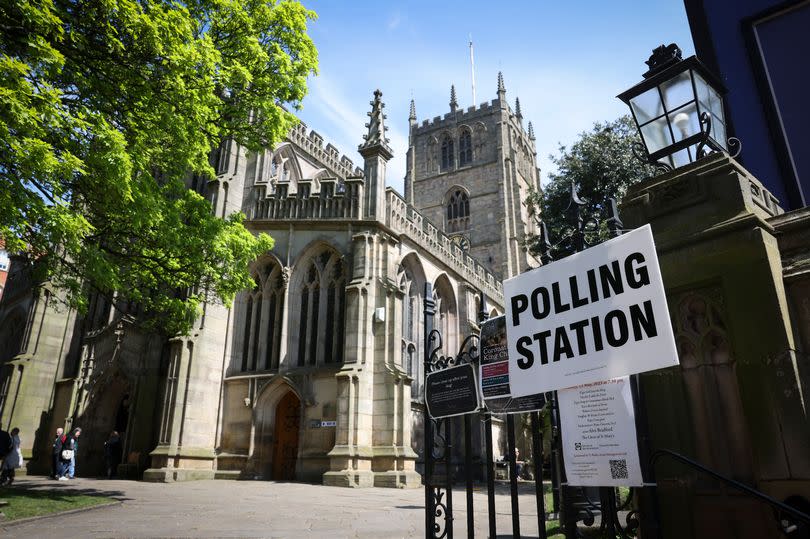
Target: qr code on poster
{"points": [[618, 469]]}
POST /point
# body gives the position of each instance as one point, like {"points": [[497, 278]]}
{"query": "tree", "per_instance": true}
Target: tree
{"points": [[601, 165], [107, 107]]}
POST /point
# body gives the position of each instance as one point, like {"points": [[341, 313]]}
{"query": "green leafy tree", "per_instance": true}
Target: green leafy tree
{"points": [[107, 107], [601, 165]]}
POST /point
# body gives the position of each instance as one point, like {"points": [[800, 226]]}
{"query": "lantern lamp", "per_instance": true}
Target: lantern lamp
{"points": [[678, 110]]}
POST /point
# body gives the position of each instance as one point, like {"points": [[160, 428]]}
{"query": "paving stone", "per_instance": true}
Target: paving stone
{"points": [[226, 508]]}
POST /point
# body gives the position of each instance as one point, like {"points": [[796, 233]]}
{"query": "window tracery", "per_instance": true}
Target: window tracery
{"points": [[458, 211], [323, 302], [465, 154], [447, 153], [410, 329]]}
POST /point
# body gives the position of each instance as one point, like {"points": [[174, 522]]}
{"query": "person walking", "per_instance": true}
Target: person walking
{"points": [[68, 455], [112, 454], [13, 460], [58, 441]]}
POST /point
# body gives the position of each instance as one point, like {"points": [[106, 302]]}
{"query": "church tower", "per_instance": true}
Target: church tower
{"points": [[470, 172]]}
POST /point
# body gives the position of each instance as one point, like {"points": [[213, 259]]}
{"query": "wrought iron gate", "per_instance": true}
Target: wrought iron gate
{"points": [[576, 507], [438, 446]]}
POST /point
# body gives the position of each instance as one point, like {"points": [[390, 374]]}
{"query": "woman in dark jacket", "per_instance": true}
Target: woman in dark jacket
{"points": [[68, 459], [112, 454]]}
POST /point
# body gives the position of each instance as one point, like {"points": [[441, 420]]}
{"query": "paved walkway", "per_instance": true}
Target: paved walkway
{"points": [[259, 509]]}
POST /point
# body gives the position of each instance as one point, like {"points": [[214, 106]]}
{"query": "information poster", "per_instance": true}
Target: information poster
{"points": [[452, 391], [494, 375], [599, 434]]}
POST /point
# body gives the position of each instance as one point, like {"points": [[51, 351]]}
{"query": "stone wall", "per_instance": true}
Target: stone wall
{"points": [[736, 402]]}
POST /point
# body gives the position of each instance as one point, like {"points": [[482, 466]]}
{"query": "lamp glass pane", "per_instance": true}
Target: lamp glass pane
{"points": [[681, 157], [684, 122], [677, 91], [718, 132], [647, 106], [656, 134], [710, 100]]}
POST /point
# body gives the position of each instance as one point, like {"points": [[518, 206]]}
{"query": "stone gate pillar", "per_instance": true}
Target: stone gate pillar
{"points": [[736, 403]]}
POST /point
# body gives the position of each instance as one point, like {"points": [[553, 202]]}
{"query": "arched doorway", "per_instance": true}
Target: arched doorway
{"points": [[285, 436], [105, 411]]}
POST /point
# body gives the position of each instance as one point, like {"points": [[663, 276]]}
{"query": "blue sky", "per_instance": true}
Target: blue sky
{"points": [[565, 60]]}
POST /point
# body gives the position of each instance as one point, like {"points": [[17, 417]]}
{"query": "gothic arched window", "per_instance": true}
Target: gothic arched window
{"points": [[465, 148], [410, 329], [446, 313], [275, 165], [261, 333], [447, 153], [308, 329], [247, 330], [458, 211], [335, 305], [274, 297], [323, 302]]}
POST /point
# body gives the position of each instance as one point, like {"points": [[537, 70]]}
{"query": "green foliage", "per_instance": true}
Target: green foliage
{"points": [[602, 165], [107, 107]]}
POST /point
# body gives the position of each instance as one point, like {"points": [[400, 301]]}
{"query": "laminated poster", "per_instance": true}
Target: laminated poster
{"points": [[599, 441], [494, 374]]}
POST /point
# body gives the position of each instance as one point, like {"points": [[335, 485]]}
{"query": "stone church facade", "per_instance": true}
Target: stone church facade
{"points": [[316, 373]]}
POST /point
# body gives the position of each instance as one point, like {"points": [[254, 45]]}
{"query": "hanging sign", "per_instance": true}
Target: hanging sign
{"points": [[598, 429], [451, 391], [595, 315], [494, 372]]}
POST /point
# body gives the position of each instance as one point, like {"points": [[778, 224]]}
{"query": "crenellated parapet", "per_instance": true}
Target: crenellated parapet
{"points": [[460, 116], [312, 143], [405, 219], [334, 200]]}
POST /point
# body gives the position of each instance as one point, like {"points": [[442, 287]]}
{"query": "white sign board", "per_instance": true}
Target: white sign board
{"points": [[599, 434], [592, 316]]}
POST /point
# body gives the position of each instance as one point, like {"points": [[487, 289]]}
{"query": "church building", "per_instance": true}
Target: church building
{"points": [[316, 373]]}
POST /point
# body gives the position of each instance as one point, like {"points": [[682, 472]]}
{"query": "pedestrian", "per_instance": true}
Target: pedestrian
{"points": [[518, 464], [68, 459], [112, 454], [13, 459], [58, 441]]}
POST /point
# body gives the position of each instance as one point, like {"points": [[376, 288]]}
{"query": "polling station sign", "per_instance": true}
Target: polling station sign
{"points": [[595, 315]]}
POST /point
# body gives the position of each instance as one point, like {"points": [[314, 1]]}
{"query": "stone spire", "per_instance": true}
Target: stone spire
{"points": [[501, 90], [412, 115], [531, 132], [375, 139], [518, 113], [376, 152], [453, 101]]}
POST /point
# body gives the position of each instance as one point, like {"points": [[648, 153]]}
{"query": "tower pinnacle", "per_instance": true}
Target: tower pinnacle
{"points": [[501, 87], [375, 140], [531, 132], [412, 115], [518, 113], [453, 101]]}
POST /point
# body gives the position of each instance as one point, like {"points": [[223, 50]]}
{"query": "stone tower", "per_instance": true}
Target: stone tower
{"points": [[469, 172]]}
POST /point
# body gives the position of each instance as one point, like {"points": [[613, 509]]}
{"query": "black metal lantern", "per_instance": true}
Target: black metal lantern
{"points": [[678, 110]]}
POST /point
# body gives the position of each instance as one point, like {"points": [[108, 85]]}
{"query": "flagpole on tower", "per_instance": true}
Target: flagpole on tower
{"points": [[472, 70]]}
